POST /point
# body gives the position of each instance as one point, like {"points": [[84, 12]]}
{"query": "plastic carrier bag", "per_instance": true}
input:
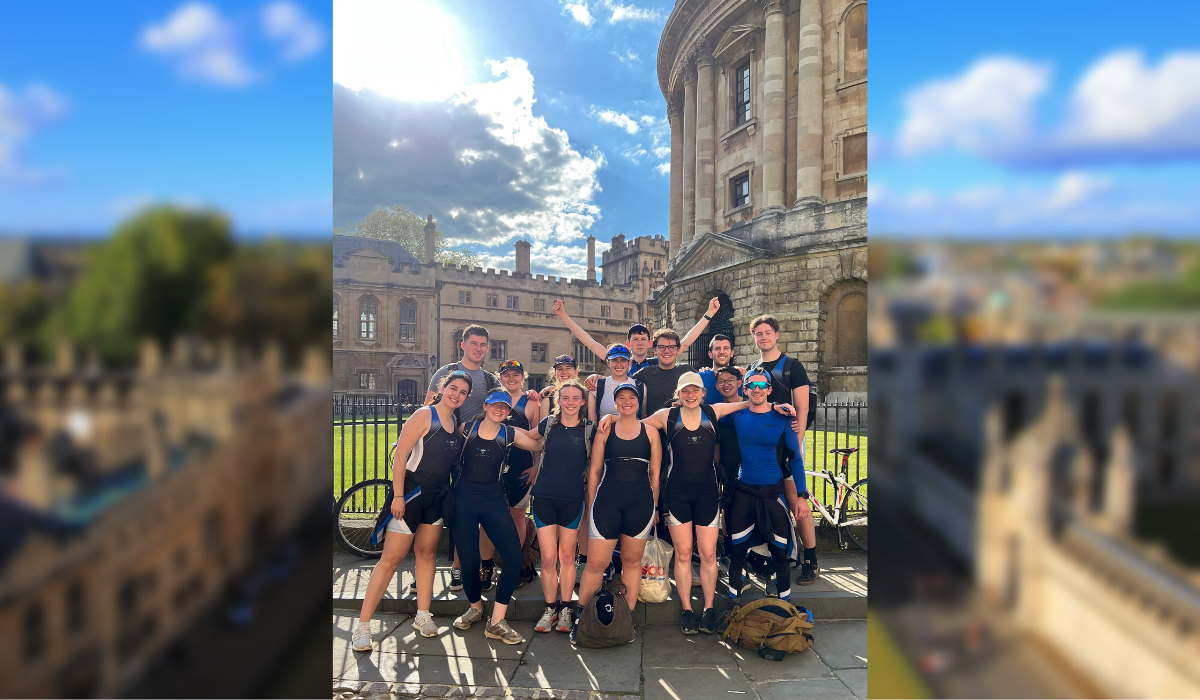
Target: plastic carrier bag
{"points": [[656, 587]]}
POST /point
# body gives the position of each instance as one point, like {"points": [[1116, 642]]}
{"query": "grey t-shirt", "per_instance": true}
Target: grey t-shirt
{"points": [[474, 403]]}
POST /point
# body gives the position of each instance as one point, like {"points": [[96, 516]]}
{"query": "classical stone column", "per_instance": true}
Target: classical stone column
{"points": [[810, 138], [689, 154], [774, 103], [705, 139], [675, 215]]}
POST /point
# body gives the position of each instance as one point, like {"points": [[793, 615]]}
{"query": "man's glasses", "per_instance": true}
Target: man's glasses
{"points": [[660, 348], [758, 385], [727, 381]]}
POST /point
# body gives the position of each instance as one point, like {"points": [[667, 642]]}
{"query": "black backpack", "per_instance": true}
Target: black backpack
{"points": [[782, 373], [490, 381]]}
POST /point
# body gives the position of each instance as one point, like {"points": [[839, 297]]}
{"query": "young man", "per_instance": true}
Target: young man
{"points": [[637, 339], [659, 380], [720, 350], [765, 491]]}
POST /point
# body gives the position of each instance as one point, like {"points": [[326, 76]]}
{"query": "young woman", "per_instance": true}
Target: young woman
{"points": [[558, 501], [601, 403], [428, 447], [479, 501], [522, 464], [623, 491], [564, 371]]}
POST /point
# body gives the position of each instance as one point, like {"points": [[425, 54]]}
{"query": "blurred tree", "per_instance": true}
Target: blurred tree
{"points": [[24, 307], [1182, 293], [408, 229], [150, 279]]}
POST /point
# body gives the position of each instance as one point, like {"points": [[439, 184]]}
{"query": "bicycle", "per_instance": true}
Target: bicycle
{"points": [[849, 505], [356, 512]]}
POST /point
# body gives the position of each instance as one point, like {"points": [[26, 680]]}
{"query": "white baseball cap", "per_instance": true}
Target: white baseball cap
{"points": [[689, 379]]}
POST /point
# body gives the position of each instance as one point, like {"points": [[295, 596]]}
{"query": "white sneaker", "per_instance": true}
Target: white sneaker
{"points": [[424, 624], [361, 640], [546, 622]]}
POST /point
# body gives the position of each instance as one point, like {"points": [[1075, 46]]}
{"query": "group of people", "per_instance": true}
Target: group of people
{"points": [[653, 444]]}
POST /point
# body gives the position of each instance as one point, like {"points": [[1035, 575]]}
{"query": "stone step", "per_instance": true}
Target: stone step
{"points": [[840, 593]]}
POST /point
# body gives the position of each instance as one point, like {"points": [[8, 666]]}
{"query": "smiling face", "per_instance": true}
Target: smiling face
{"points": [[765, 337], [474, 347], [727, 385], [571, 400], [721, 353], [691, 395], [497, 412], [511, 379], [758, 388], [627, 403], [667, 351], [455, 392], [619, 366], [565, 372]]}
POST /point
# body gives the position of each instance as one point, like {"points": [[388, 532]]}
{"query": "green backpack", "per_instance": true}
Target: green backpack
{"points": [[771, 626]]}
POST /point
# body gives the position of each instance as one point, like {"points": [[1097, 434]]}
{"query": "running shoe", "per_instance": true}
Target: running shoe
{"points": [[708, 621], [545, 623], [470, 617], [564, 619], [503, 632], [361, 640], [424, 624], [687, 622], [456, 579], [808, 574]]}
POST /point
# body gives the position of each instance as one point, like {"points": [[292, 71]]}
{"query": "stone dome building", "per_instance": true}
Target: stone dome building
{"points": [[767, 103]]}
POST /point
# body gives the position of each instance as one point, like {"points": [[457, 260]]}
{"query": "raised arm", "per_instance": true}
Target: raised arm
{"points": [[714, 305], [584, 337]]}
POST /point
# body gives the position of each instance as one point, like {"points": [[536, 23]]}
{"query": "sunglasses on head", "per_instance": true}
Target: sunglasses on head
{"points": [[510, 364], [758, 384], [564, 360]]}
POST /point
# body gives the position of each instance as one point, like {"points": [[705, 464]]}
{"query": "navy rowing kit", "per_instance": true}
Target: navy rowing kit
{"points": [[559, 492], [759, 512], [692, 491], [426, 478], [516, 486], [624, 503]]}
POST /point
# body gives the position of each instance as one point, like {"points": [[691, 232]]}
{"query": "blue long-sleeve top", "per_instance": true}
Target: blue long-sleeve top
{"points": [[760, 435]]}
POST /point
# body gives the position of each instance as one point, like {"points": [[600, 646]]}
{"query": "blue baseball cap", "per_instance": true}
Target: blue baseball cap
{"points": [[624, 386], [498, 397]]}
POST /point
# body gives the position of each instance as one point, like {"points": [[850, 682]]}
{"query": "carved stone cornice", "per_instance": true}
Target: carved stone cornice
{"points": [[700, 53], [674, 111], [689, 74], [770, 7]]}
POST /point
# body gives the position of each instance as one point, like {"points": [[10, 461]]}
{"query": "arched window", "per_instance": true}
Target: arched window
{"points": [[335, 318], [853, 39], [408, 320], [851, 331], [368, 315]]}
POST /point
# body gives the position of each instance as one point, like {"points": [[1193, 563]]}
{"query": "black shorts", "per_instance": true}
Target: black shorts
{"points": [[622, 508], [692, 499], [556, 511], [517, 488], [741, 520], [421, 507]]}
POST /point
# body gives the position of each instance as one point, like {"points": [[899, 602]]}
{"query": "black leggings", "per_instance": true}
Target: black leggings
{"points": [[740, 522], [484, 504]]}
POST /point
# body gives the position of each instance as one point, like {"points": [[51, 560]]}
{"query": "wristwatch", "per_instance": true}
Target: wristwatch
{"points": [[805, 495], [707, 317]]}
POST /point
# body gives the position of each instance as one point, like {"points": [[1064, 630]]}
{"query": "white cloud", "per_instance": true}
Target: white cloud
{"points": [[206, 46], [480, 162], [1122, 104], [287, 24], [22, 115], [987, 107], [617, 119], [582, 11], [579, 12], [628, 58], [663, 168], [635, 153], [1074, 188]]}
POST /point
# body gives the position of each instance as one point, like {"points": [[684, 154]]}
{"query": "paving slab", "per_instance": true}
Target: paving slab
{"points": [[804, 665], [696, 683], [382, 625], [552, 662], [855, 679], [841, 643], [815, 689], [452, 641], [666, 647], [429, 668]]}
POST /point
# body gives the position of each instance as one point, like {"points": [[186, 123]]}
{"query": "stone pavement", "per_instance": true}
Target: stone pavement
{"points": [[660, 664]]}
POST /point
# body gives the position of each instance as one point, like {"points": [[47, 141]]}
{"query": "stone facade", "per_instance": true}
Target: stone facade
{"points": [[772, 212], [195, 470], [516, 307]]}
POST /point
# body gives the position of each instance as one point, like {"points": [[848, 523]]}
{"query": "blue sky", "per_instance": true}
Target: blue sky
{"points": [[1034, 118], [595, 121], [106, 107]]}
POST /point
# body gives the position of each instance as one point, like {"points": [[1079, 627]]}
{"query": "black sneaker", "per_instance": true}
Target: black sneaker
{"points": [[808, 574], [687, 622], [485, 578], [456, 579], [708, 621], [574, 637]]}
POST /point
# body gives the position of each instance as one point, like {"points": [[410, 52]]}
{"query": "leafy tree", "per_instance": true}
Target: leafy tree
{"points": [[150, 279], [1177, 294], [401, 225]]}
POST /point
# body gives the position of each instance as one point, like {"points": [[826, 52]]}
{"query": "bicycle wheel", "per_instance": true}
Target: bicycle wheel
{"points": [[356, 513], [854, 510]]}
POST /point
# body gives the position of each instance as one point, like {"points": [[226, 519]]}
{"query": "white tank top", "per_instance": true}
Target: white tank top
{"points": [[607, 406]]}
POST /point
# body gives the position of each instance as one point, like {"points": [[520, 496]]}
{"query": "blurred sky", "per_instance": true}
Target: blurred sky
{"points": [[1031, 117], [106, 107], [509, 118]]}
